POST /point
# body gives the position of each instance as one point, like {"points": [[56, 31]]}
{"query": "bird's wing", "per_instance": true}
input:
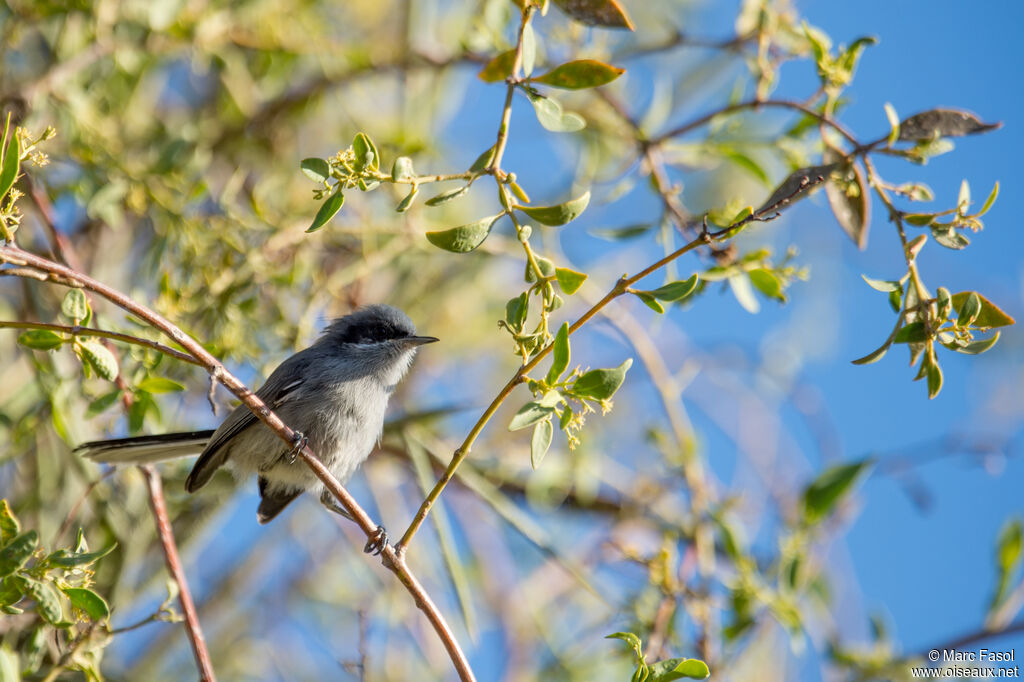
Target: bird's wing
{"points": [[279, 387]]}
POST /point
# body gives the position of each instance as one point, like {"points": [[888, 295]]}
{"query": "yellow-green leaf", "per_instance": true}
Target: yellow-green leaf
{"points": [[580, 74]]}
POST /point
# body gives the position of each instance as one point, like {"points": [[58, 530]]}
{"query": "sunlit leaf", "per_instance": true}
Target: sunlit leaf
{"points": [[823, 495], [601, 384], [559, 214], [569, 280], [989, 317], [560, 354], [541, 441], [327, 210], [317, 170], [580, 74], [464, 238], [499, 68]]}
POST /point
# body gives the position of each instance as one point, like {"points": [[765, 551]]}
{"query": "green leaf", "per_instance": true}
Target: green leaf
{"points": [[560, 214], [516, 310], [11, 163], [484, 160], [9, 525], [767, 282], [529, 414], [989, 201], [365, 152], [317, 170], [406, 203], [847, 192], [894, 124], [75, 305], [919, 219], [327, 210], [650, 301], [499, 68], [822, 495], [569, 281], [934, 379], [676, 291], [620, 233], [678, 669], [40, 339], [47, 600], [92, 604], [976, 347], [560, 354], [580, 74], [991, 315], [65, 560], [549, 113], [601, 384], [17, 551], [401, 169], [445, 197], [540, 442], [547, 269], [100, 359], [914, 332], [885, 285], [160, 385], [629, 638], [102, 403], [606, 13], [968, 311], [464, 238], [943, 123], [1009, 546], [748, 164]]}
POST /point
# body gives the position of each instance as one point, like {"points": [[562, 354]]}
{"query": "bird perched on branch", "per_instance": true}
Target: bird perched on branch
{"points": [[333, 394]]}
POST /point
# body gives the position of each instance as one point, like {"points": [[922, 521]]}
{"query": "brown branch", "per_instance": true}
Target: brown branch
{"points": [[78, 330], [188, 607], [66, 252], [391, 559]]}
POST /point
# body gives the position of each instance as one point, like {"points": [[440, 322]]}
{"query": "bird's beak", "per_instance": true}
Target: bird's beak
{"points": [[420, 340]]}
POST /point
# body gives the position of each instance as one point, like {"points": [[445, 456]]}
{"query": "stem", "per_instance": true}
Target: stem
{"points": [[78, 330], [188, 607], [506, 112], [391, 559]]}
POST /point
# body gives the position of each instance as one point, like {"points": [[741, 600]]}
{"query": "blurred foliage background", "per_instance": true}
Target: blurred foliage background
{"points": [[702, 513]]}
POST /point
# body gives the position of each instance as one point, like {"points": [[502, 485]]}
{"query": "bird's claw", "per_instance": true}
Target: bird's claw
{"points": [[299, 442], [377, 543]]}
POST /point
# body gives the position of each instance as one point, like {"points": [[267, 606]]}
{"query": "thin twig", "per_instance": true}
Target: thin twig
{"points": [[78, 330], [188, 607]]}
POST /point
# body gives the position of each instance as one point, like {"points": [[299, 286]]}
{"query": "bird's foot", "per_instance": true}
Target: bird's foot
{"points": [[299, 442], [377, 543]]}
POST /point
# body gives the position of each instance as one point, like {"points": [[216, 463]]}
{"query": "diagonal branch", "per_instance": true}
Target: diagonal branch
{"points": [[392, 559]]}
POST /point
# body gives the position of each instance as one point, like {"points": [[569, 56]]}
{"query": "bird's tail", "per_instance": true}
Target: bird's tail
{"points": [[145, 449]]}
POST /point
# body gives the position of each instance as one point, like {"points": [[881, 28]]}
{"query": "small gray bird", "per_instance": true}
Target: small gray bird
{"points": [[333, 393]]}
